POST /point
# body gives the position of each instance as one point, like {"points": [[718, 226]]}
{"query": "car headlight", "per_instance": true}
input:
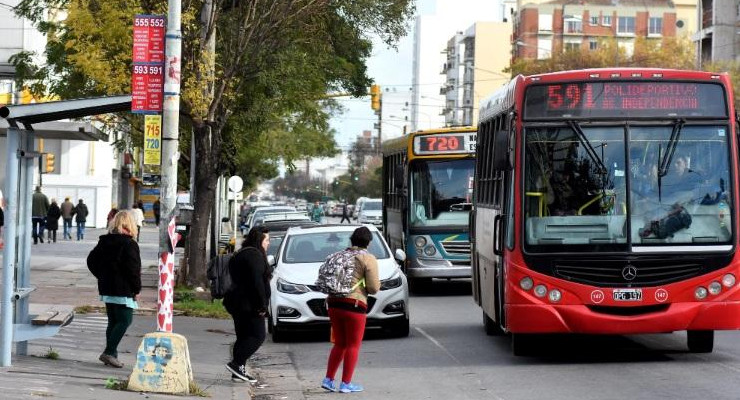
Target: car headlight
{"points": [[391, 283], [284, 286]]}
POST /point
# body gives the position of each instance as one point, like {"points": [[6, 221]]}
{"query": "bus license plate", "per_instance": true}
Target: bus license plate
{"points": [[627, 294]]}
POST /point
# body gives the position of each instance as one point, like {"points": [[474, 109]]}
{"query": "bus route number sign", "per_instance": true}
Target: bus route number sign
{"points": [[452, 143]]}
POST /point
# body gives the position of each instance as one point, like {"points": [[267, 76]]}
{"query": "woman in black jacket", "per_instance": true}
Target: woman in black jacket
{"points": [[116, 263], [52, 220], [247, 299]]}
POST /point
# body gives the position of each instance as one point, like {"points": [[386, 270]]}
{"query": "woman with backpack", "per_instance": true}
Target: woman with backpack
{"points": [[348, 314], [247, 298]]}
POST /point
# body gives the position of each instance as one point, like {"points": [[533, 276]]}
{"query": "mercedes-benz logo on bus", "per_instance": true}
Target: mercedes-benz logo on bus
{"points": [[629, 272]]}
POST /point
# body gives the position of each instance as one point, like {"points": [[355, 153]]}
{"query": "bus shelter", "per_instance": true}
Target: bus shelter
{"points": [[22, 125]]}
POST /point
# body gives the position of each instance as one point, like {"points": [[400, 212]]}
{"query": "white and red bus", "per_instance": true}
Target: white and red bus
{"points": [[605, 204]]}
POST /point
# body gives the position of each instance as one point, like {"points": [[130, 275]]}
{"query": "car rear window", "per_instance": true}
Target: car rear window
{"points": [[315, 247]]}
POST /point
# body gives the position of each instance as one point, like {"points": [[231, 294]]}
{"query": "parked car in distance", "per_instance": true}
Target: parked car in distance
{"points": [[372, 212], [358, 207], [258, 213], [297, 304]]}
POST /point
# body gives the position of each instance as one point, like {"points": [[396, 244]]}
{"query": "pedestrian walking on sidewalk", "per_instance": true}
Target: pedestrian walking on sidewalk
{"points": [[67, 209], [138, 210], [345, 214], [52, 220], [247, 299], [39, 209], [80, 212], [156, 209], [348, 314], [116, 263]]}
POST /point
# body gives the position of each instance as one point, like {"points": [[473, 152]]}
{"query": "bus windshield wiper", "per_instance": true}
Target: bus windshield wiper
{"points": [[665, 159], [587, 145]]}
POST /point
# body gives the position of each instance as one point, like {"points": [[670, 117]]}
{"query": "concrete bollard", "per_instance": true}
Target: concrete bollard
{"points": [[162, 365]]}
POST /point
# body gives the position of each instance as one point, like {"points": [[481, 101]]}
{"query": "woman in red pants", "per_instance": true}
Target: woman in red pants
{"points": [[348, 314]]}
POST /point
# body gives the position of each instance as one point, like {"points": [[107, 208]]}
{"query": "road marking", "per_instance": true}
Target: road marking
{"points": [[473, 375], [438, 344]]}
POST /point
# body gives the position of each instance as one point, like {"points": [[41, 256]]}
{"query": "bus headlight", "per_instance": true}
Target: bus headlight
{"points": [[526, 283], [540, 290], [420, 241], [715, 287], [555, 295], [728, 280], [430, 250], [700, 293]]}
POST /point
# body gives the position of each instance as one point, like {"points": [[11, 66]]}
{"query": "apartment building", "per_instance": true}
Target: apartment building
{"points": [[716, 37]]}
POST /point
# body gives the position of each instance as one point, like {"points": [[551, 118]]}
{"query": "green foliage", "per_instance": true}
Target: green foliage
{"points": [[188, 303], [675, 53], [116, 384], [51, 354]]}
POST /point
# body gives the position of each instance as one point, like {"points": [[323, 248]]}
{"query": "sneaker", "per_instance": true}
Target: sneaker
{"points": [[110, 360], [236, 378], [329, 385], [240, 372], [350, 387]]}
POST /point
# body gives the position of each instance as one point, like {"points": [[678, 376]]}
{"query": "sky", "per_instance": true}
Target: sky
{"points": [[391, 69]]}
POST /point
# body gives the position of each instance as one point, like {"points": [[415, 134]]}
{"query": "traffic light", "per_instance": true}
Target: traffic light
{"points": [[375, 97], [49, 163]]}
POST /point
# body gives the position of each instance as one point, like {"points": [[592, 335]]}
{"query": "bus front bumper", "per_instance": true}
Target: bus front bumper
{"points": [[530, 318], [419, 268]]}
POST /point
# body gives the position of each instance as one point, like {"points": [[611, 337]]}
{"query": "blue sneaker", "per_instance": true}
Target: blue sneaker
{"points": [[350, 387], [329, 385]]}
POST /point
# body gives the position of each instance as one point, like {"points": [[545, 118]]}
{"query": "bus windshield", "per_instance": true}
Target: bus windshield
{"points": [[581, 190], [440, 192]]}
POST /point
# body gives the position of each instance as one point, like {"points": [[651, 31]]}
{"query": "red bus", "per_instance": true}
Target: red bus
{"points": [[605, 204]]}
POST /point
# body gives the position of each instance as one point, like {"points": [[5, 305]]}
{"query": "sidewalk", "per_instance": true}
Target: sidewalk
{"points": [[77, 373]]}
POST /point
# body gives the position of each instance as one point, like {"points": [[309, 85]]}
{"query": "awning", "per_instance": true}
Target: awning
{"points": [[62, 130]]}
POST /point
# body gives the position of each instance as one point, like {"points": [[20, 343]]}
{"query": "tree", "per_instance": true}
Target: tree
{"points": [[274, 61], [676, 53]]}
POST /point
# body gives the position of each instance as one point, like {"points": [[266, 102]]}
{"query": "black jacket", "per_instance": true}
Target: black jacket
{"points": [[52, 217], [80, 212], [116, 262], [250, 283], [2, 217]]}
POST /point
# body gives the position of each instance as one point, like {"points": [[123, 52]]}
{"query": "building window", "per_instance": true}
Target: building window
{"points": [[626, 25], [572, 46], [655, 26], [594, 20], [573, 26], [593, 45], [606, 20]]}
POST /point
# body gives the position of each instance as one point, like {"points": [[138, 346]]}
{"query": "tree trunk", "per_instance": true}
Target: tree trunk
{"points": [[207, 143]]}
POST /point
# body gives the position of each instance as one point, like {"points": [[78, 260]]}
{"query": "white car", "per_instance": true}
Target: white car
{"points": [[297, 304], [372, 212]]}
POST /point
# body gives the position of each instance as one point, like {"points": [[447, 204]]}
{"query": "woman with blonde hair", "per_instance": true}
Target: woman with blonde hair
{"points": [[116, 263]]}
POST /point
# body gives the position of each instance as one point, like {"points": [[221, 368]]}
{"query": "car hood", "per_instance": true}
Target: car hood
{"points": [[306, 273], [372, 213]]}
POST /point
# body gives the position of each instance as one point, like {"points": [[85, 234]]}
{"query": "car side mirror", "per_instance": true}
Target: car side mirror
{"points": [[271, 260], [400, 255]]}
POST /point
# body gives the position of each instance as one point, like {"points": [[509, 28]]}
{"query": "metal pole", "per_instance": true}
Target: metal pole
{"points": [[23, 269], [170, 154], [9, 252]]}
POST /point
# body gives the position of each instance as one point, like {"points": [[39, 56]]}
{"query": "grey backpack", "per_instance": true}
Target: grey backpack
{"points": [[337, 272]]}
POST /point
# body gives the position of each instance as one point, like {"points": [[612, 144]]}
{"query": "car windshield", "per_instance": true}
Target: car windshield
{"points": [[316, 246], [580, 190], [372, 205], [441, 192]]}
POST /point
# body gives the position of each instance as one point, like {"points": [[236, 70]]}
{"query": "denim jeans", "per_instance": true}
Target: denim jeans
{"points": [[37, 229], [80, 230], [67, 222]]}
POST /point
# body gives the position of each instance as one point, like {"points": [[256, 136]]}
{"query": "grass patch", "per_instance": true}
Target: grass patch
{"points": [[86, 309], [195, 390], [115, 384], [51, 354], [190, 305]]}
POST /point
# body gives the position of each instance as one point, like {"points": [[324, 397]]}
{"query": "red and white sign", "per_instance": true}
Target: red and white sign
{"points": [[146, 88], [149, 33], [661, 295], [147, 74], [597, 296]]}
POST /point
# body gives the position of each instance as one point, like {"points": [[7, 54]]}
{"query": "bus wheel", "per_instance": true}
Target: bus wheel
{"points": [[523, 344], [492, 327], [700, 341]]}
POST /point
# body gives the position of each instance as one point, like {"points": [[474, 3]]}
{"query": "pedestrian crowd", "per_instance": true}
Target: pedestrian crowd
{"points": [[45, 216]]}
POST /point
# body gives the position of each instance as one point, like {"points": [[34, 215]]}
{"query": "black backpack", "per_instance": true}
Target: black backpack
{"points": [[218, 275]]}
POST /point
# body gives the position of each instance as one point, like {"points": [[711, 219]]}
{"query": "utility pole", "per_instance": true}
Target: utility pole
{"points": [[178, 374]]}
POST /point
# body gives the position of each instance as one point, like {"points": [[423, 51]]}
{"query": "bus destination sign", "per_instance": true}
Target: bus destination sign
{"points": [[450, 143], [625, 99]]}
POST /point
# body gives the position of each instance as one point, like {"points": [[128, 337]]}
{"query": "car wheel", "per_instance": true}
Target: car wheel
{"points": [[278, 334], [492, 327], [700, 341], [399, 328]]}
